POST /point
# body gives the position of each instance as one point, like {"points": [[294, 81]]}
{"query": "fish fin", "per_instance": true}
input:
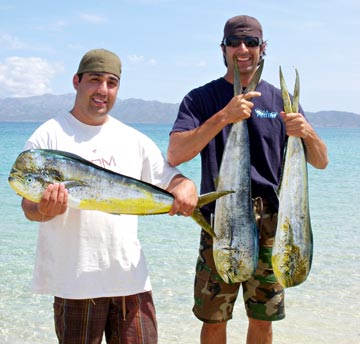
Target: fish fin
{"points": [[81, 160], [311, 248], [216, 182], [211, 197], [290, 104], [285, 94], [256, 78], [69, 184], [295, 105], [238, 88], [237, 81], [204, 199], [282, 171], [199, 218]]}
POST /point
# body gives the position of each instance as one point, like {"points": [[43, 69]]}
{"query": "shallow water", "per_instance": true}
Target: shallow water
{"points": [[324, 309]]}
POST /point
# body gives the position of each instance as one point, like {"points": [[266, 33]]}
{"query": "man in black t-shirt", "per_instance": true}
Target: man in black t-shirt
{"points": [[203, 123]]}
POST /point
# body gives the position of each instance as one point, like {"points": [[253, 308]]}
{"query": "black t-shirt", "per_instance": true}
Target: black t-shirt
{"points": [[267, 135]]}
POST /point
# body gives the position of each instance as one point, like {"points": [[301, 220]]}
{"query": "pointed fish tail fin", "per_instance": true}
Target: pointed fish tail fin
{"points": [[199, 218], [204, 199], [211, 197]]}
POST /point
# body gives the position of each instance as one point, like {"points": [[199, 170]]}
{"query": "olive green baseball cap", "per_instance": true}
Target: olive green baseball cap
{"points": [[100, 60]]}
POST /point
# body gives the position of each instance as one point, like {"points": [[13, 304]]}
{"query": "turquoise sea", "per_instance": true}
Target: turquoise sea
{"points": [[324, 309]]}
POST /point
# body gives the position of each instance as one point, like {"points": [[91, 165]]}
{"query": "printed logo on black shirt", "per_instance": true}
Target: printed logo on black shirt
{"points": [[265, 114]]}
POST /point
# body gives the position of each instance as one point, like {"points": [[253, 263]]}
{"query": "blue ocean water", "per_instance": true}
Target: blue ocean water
{"points": [[324, 309]]}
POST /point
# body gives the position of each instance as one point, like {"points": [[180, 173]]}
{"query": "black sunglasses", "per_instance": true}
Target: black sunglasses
{"points": [[250, 42]]}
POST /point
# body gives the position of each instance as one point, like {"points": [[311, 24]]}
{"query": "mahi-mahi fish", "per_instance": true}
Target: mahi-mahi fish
{"points": [[91, 187], [235, 246], [293, 246]]}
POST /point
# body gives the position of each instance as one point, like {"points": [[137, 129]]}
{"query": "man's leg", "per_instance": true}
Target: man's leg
{"points": [[213, 333], [259, 332], [132, 320], [214, 299], [263, 295], [80, 321]]}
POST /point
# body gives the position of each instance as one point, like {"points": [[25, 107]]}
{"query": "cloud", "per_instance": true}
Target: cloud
{"points": [[202, 63], [152, 61], [92, 18], [191, 62], [11, 42], [59, 25], [24, 77], [136, 59]]}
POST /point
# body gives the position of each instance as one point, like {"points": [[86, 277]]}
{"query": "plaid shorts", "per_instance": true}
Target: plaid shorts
{"points": [[126, 320], [263, 296]]}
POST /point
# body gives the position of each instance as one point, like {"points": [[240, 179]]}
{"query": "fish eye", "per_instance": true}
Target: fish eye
{"points": [[29, 179]]}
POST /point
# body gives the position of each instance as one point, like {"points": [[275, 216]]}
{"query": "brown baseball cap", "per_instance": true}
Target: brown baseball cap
{"points": [[100, 60], [243, 26]]}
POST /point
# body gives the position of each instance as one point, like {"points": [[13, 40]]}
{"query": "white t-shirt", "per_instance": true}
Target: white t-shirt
{"points": [[88, 254]]}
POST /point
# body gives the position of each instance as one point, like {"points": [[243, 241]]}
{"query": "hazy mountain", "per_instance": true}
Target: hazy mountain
{"points": [[41, 108], [331, 119]]}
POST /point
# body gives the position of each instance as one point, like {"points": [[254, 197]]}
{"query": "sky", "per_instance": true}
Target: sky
{"points": [[168, 47]]}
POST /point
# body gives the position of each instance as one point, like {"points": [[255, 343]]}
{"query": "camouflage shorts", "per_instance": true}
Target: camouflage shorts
{"points": [[262, 294]]}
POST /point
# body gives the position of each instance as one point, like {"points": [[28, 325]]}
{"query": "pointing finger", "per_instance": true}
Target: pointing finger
{"points": [[251, 94]]}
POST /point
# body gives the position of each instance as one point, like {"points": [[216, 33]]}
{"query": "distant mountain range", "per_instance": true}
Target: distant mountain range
{"points": [[41, 108]]}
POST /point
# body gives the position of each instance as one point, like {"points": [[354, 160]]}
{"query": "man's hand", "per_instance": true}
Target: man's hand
{"points": [[185, 194], [296, 125], [316, 150], [53, 203], [239, 107]]}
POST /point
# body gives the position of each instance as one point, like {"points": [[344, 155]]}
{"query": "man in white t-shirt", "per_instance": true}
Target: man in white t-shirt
{"points": [[91, 261]]}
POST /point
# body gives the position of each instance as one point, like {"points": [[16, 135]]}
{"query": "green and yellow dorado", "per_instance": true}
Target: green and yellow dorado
{"points": [[293, 246], [236, 244], [91, 187]]}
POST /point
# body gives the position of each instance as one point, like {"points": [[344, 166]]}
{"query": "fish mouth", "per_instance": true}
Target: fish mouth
{"points": [[16, 184], [14, 175]]}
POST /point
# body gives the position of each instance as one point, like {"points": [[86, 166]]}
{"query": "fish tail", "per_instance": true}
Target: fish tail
{"points": [[288, 105], [285, 93], [204, 199], [199, 218], [211, 197]]}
